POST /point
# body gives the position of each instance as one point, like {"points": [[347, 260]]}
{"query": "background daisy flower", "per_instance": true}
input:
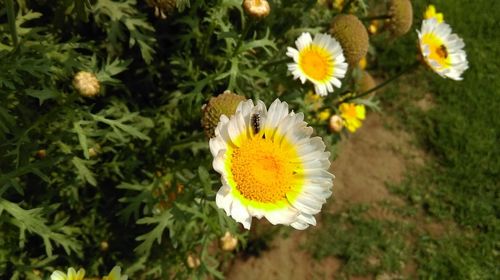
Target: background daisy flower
{"points": [[320, 61], [430, 12], [270, 165], [442, 50], [71, 275], [352, 115], [115, 274]]}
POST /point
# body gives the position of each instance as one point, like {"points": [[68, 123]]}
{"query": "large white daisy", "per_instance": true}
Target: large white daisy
{"points": [[270, 165], [442, 50], [320, 61]]}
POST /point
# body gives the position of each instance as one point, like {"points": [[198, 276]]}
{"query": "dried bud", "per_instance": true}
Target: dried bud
{"points": [[223, 104], [104, 246], [193, 261], [352, 36], [228, 242], [401, 16], [163, 8], [257, 9], [336, 123], [365, 82], [86, 84], [41, 154], [94, 151]]}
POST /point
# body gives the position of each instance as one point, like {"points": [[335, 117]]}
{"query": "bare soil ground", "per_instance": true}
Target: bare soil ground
{"points": [[367, 160]]}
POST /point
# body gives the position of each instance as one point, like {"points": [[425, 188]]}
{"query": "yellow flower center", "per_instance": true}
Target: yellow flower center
{"points": [[263, 172], [316, 62], [438, 51]]}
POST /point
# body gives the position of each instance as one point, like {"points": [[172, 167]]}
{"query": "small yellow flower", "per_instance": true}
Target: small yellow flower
{"points": [[71, 275], [362, 63], [431, 13], [338, 4], [373, 28], [324, 115], [115, 274], [353, 115]]}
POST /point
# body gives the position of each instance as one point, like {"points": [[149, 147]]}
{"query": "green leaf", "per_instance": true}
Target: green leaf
{"points": [[163, 221], [43, 94], [83, 171]]}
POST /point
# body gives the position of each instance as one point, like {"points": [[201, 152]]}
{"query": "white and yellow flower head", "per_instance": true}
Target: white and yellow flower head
{"points": [[71, 275], [319, 60], [430, 12], [353, 115], [270, 166], [115, 274], [442, 50]]}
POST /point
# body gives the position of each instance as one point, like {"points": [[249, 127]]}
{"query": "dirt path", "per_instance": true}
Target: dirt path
{"points": [[367, 160]]}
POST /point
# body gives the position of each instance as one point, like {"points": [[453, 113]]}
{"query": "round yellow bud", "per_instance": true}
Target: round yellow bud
{"points": [[401, 16], [336, 123], [104, 246], [257, 8], [193, 261], [86, 84], [224, 104], [228, 242], [352, 36]]}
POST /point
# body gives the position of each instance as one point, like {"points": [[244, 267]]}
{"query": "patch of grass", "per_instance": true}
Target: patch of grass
{"points": [[459, 186], [366, 245]]}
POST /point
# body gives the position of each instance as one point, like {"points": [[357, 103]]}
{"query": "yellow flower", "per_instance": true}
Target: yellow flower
{"points": [[71, 275], [431, 13], [352, 115], [319, 60], [338, 4], [270, 166], [115, 274], [324, 115]]}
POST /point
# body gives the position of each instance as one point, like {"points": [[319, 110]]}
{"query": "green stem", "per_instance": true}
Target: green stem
{"points": [[386, 82], [346, 6], [11, 16], [375, 17], [276, 62], [242, 37]]}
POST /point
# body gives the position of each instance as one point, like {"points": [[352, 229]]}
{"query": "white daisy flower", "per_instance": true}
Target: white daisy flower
{"points": [[442, 50], [270, 165], [71, 275], [320, 60]]}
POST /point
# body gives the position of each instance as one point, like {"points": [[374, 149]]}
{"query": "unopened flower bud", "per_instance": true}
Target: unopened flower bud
{"points": [[257, 8], [228, 242], [401, 19], [193, 261], [162, 8], [86, 84], [41, 154], [104, 246], [336, 123], [352, 36], [223, 104]]}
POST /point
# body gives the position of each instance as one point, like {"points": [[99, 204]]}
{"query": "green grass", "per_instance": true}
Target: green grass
{"points": [[459, 187]]}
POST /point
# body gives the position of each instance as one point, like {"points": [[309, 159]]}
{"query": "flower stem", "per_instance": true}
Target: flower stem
{"points": [[243, 36], [386, 82], [346, 6], [276, 62], [11, 16], [375, 17]]}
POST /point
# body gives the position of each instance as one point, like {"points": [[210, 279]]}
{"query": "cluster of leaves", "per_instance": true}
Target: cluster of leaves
{"points": [[95, 182]]}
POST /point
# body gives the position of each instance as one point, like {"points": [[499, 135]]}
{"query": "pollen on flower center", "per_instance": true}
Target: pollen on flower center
{"points": [[438, 50], [264, 171], [315, 62]]}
